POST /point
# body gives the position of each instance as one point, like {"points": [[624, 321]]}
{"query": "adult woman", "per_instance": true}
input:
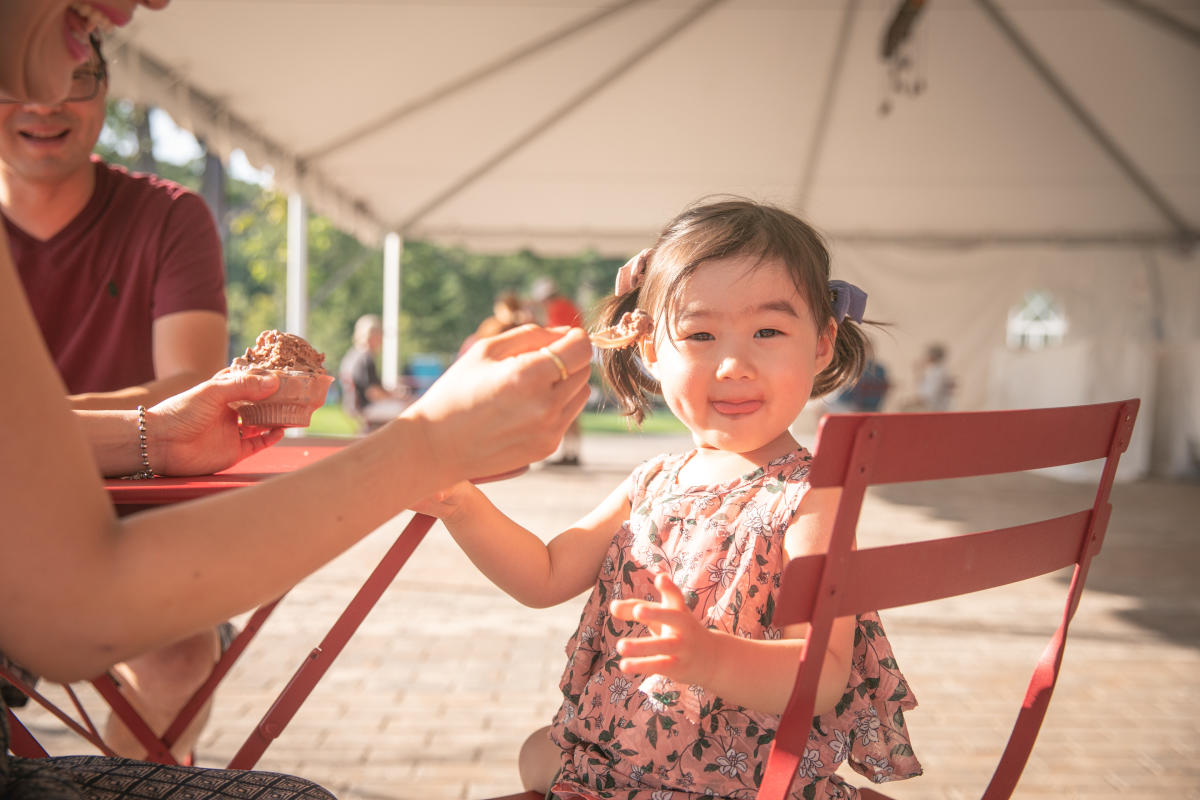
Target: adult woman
{"points": [[75, 581]]}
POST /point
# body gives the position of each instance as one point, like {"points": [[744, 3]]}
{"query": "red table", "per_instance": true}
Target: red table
{"points": [[288, 455], [132, 495]]}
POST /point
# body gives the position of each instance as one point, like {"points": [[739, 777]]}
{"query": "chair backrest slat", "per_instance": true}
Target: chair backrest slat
{"points": [[917, 572], [937, 446]]}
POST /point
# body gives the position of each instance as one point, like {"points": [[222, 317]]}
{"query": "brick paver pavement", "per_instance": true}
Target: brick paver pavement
{"points": [[435, 693]]}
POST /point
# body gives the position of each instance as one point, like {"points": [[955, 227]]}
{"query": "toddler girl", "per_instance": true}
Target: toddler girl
{"points": [[677, 673]]}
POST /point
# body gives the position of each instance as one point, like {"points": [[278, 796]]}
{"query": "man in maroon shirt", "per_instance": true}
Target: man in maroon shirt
{"points": [[124, 276], [123, 271]]}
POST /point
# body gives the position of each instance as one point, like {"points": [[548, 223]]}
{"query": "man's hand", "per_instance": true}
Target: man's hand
{"points": [[197, 432]]}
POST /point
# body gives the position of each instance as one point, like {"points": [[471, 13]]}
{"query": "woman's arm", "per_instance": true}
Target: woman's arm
{"points": [[756, 673], [80, 589], [533, 572]]}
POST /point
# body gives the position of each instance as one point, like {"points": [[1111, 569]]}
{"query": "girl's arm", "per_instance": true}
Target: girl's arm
{"points": [[534, 573], [81, 590], [756, 673]]}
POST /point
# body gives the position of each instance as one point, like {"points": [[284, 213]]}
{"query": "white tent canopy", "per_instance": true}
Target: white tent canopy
{"points": [[1054, 146]]}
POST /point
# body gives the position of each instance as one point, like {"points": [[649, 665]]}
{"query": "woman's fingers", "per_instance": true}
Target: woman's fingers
{"points": [[570, 344], [577, 391], [567, 356], [574, 349], [505, 402]]}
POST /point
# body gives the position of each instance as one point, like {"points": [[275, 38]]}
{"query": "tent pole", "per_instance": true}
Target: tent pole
{"points": [[1183, 231], [393, 249], [297, 266]]}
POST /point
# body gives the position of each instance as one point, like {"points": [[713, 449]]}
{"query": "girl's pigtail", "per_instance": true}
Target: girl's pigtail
{"points": [[622, 369], [849, 359]]}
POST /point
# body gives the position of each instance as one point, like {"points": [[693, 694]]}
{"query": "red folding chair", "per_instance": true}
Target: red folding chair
{"points": [[860, 450], [855, 451]]}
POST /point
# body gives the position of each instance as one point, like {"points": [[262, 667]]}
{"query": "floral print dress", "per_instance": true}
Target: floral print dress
{"points": [[634, 739]]}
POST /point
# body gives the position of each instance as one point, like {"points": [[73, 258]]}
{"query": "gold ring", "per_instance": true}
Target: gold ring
{"points": [[558, 362]]}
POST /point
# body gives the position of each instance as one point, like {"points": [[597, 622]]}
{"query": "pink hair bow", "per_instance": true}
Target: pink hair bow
{"points": [[629, 277]]}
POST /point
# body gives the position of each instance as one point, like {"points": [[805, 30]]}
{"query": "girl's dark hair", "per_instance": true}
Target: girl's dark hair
{"points": [[722, 229]]}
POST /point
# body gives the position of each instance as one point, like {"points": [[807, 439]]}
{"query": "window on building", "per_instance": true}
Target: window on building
{"points": [[1036, 322]]}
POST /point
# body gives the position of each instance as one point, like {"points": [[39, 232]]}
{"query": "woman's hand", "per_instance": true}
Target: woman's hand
{"points": [[507, 401], [197, 433], [678, 647]]}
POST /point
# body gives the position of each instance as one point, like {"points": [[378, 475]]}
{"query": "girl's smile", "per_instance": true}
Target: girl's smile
{"points": [[736, 408], [737, 359]]}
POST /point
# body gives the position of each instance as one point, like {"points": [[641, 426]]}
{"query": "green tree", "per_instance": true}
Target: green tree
{"points": [[445, 291]]}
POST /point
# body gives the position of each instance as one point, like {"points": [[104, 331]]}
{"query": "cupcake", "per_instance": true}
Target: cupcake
{"points": [[303, 381]]}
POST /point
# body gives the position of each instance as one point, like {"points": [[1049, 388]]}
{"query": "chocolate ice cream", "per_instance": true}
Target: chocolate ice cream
{"points": [[303, 381], [281, 351]]}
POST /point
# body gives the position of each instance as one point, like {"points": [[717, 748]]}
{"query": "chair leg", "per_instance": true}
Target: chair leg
{"points": [[21, 741]]}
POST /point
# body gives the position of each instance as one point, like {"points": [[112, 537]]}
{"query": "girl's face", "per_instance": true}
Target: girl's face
{"points": [[43, 41], [737, 365]]}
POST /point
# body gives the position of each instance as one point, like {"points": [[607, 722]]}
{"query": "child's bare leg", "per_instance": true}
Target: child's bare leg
{"points": [[539, 761]]}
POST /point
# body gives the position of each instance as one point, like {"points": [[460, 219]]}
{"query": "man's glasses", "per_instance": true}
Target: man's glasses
{"points": [[85, 85]]}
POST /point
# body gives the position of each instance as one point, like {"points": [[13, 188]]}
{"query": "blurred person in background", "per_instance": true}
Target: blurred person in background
{"points": [[364, 397], [934, 382], [867, 395], [508, 311]]}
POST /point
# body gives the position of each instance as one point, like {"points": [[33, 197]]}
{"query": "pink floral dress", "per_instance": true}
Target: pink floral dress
{"points": [[634, 739]]}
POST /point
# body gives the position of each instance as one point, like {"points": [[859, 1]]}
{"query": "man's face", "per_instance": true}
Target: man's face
{"points": [[52, 142]]}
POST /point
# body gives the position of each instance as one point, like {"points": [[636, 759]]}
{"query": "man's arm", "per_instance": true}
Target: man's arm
{"points": [[189, 347]]}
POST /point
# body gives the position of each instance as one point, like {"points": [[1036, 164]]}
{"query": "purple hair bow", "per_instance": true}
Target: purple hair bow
{"points": [[848, 300]]}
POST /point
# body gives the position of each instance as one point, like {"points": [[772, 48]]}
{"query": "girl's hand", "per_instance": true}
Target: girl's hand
{"points": [[445, 503], [197, 433], [678, 647]]}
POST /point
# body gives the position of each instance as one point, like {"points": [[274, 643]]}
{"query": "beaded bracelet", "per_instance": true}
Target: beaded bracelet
{"points": [[145, 471]]}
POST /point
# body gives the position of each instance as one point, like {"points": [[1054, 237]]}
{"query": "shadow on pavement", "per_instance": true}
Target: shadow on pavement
{"points": [[1151, 551]]}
